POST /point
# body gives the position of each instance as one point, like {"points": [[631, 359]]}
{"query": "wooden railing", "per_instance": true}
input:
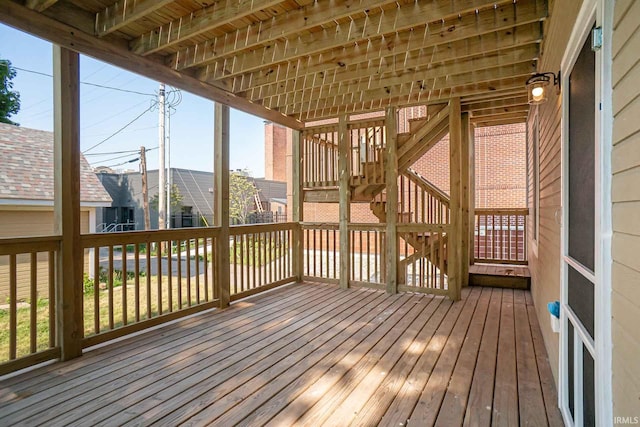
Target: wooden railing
{"points": [[261, 257], [27, 295], [320, 156], [423, 251], [367, 248], [421, 201], [140, 279], [367, 151], [321, 252], [501, 236]]}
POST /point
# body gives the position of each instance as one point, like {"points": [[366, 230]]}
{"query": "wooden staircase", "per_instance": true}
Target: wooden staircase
{"points": [[425, 245]]}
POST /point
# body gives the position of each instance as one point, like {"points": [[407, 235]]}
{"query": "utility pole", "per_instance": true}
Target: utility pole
{"points": [[145, 187], [162, 183]]}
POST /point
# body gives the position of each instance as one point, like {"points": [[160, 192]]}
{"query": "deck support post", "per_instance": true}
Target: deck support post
{"points": [[472, 191], [221, 202], [391, 182], [455, 230], [66, 96], [465, 197], [297, 214], [344, 171]]}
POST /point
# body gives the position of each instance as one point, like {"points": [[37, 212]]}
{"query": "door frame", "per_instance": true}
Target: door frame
{"points": [[601, 12]]}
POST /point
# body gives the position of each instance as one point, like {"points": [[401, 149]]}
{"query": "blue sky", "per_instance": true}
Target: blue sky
{"points": [[103, 112]]}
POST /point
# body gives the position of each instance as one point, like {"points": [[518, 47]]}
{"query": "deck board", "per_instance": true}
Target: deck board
{"points": [[310, 354]]}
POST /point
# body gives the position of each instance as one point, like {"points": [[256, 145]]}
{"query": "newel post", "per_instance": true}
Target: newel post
{"points": [[221, 202], [66, 95], [297, 214], [391, 182], [455, 229], [344, 171]]}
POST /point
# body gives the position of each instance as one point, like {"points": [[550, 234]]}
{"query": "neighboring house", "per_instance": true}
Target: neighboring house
{"points": [[26, 196], [195, 188]]}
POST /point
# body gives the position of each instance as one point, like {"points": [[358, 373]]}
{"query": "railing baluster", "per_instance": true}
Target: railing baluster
{"points": [[124, 284], [187, 245], [179, 272], [159, 246], [13, 306], [197, 265], [52, 298], [33, 287], [110, 287], [170, 275]]}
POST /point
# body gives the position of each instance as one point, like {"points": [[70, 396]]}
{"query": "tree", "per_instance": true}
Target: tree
{"points": [[176, 198], [9, 99], [241, 196]]}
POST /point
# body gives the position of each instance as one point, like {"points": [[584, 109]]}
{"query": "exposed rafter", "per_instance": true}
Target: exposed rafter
{"points": [[40, 5], [413, 85], [406, 18], [188, 26], [509, 87], [499, 103], [123, 12], [423, 74], [384, 53], [305, 60]]}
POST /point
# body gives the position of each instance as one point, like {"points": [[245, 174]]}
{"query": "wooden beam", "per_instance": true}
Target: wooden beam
{"points": [[179, 30], [221, 171], [124, 12], [506, 86], [24, 19], [40, 5], [492, 112], [500, 117], [375, 54], [494, 103], [397, 87], [500, 121], [391, 182], [465, 197], [454, 246], [424, 70], [327, 24], [68, 285], [297, 204], [472, 189], [344, 174]]}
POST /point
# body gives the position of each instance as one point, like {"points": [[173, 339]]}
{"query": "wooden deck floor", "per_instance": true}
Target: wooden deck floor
{"points": [[310, 354]]}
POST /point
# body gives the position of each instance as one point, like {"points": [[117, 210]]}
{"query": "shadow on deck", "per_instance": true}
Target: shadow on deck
{"points": [[310, 354]]}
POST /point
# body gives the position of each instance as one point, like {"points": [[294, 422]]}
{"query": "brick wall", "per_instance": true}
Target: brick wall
{"points": [[275, 148]]}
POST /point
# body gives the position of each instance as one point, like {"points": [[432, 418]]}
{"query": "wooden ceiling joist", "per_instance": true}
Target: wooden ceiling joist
{"points": [[360, 30], [123, 12], [40, 5], [512, 86], [291, 61], [314, 24], [379, 57], [396, 87], [428, 72], [499, 112], [188, 26], [494, 103]]}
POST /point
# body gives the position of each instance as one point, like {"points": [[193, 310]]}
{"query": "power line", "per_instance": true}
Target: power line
{"points": [[118, 131], [123, 163], [117, 152], [87, 83], [125, 155]]}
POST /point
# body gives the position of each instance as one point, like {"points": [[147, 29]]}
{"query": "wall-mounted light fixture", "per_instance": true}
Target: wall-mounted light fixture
{"points": [[537, 86]]}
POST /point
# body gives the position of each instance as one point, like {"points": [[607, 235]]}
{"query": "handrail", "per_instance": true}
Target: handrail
{"points": [[427, 186], [18, 245], [144, 236]]}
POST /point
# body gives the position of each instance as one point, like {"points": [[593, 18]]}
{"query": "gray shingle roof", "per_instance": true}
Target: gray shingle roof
{"points": [[26, 167]]}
